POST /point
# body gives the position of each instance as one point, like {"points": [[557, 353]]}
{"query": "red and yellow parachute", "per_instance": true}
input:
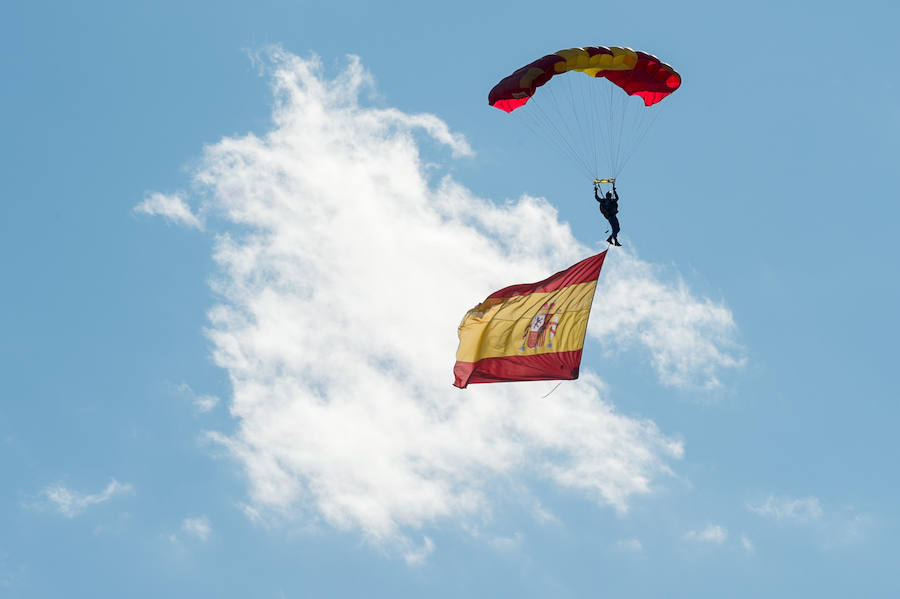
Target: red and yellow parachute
{"points": [[578, 113]]}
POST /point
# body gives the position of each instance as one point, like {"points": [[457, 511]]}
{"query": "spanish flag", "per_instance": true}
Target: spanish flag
{"points": [[529, 332]]}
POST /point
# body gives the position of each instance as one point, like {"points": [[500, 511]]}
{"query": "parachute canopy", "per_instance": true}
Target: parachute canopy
{"points": [[638, 73], [591, 122]]}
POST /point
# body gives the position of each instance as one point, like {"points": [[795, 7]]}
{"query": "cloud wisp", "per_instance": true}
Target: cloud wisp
{"points": [[711, 534], [171, 207], [71, 503], [198, 528], [788, 509], [835, 527], [203, 403], [343, 273]]}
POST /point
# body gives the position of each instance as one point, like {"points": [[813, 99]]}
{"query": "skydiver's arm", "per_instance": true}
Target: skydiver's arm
{"points": [[596, 197], [615, 193]]}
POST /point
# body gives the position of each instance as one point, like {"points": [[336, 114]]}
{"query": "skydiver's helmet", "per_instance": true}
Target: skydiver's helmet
{"points": [[608, 195]]}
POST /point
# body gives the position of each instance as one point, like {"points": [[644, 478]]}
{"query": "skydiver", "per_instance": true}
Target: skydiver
{"points": [[609, 206]]}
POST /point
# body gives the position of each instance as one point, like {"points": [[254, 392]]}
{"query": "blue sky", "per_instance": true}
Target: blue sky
{"points": [[220, 380]]}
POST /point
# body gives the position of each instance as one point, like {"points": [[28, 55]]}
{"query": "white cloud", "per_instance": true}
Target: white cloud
{"points": [[432, 125], [747, 544], [72, 503], [417, 556], [344, 275], [202, 403], [205, 403], [803, 509], [199, 527], [172, 207], [711, 534], [836, 528], [689, 340]]}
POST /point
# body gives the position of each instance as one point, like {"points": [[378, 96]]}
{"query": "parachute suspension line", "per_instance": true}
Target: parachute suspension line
{"points": [[611, 145], [543, 134], [570, 117], [601, 115], [643, 131], [576, 130], [620, 139], [618, 115], [552, 390], [565, 117], [635, 115], [543, 129], [628, 124], [590, 101], [594, 103], [577, 107], [561, 139], [609, 107]]}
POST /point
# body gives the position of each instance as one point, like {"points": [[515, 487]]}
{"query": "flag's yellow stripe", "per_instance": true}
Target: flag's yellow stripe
{"points": [[496, 328]]}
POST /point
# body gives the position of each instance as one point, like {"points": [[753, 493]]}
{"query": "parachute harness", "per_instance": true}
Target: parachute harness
{"points": [[598, 186]]}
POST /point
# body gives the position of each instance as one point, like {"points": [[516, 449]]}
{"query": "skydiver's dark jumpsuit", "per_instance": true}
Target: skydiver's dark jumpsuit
{"points": [[610, 207]]}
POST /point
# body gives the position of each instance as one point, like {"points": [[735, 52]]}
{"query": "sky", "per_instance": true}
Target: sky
{"points": [[238, 238]]}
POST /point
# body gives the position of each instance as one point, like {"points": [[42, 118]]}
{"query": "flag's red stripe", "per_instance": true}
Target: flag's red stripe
{"points": [[583, 272], [538, 367]]}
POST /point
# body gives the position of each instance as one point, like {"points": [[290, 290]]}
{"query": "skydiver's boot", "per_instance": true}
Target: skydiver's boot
{"points": [[609, 239], [616, 241]]}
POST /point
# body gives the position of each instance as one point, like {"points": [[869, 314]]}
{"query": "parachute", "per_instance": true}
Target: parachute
{"points": [[598, 129]]}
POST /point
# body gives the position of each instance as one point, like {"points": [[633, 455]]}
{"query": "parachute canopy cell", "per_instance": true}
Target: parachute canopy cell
{"points": [[636, 72]]}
